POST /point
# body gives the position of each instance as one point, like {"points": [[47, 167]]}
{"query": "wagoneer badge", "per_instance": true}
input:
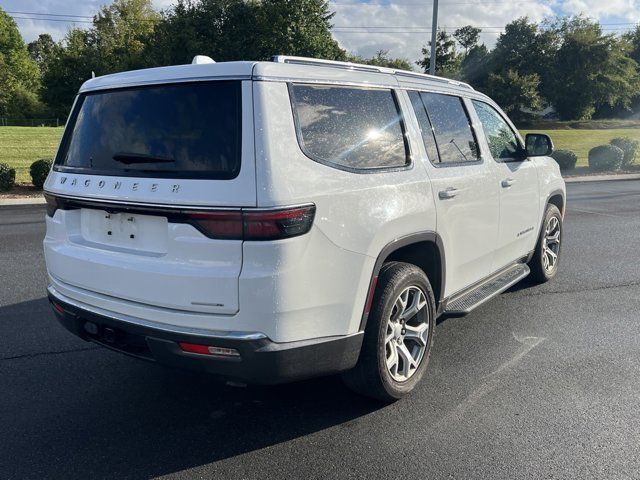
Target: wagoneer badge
{"points": [[117, 185]]}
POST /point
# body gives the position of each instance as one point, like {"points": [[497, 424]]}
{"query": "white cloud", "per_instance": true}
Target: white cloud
{"points": [[603, 10], [408, 14]]}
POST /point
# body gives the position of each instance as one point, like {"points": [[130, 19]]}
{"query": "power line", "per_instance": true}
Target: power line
{"points": [[337, 27], [49, 14], [342, 29], [487, 29], [51, 19]]}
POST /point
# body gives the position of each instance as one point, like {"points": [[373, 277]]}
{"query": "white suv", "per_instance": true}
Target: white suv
{"points": [[273, 221]]}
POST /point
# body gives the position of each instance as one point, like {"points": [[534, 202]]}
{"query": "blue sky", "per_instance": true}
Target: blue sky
{"points": [[400, 26]]}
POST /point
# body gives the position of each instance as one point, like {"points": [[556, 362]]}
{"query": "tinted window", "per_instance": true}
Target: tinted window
{"points": [[182, 131], [501, 139], [451, 127], [351, 127], [426, 130]]}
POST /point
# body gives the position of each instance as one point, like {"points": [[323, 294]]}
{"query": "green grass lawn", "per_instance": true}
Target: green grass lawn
{"points": [[581, 141], [21, 146]]}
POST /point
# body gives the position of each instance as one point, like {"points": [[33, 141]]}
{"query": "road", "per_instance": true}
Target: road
{"points": [[541, 382]]}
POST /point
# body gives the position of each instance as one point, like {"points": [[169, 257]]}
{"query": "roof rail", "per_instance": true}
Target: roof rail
{"points": [[330, 63], [407, 73], [364, 68]]}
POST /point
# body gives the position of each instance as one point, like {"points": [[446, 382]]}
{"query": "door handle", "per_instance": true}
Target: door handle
{"points": [[448, 193], [507, 182]]}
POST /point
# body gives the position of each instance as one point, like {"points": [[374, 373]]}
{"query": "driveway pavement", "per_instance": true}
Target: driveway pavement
{"points": [[541, 382]]}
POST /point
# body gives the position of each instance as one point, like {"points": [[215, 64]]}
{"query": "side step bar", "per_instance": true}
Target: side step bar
{"points": [[461, 305]]}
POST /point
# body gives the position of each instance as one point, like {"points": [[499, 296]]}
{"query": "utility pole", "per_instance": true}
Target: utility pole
{"points": [[434, 32]]}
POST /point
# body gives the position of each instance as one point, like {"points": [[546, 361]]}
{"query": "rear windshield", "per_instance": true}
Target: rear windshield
{"points": [[176, 131]]}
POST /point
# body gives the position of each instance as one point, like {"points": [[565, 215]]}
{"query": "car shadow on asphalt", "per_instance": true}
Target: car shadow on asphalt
{"points": [[78, 411]]}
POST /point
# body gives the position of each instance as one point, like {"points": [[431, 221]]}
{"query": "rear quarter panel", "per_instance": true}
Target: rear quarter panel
{"points": [[358, 213]]}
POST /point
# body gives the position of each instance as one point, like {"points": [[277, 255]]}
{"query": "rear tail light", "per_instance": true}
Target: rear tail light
{"points": [[232, 224], [52, 204], [254, 225], [223, 225], [272, 225]]}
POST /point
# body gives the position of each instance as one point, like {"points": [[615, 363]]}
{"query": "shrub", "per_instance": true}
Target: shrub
{"points": [[39, 171], [629, 147], [565, 158], [7, 177], [605, 157]]}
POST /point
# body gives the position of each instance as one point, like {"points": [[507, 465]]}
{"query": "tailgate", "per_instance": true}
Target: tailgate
{"points": [[144, 259]]}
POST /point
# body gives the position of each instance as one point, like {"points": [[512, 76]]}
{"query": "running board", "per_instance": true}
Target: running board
{"points": [[495, 285]]}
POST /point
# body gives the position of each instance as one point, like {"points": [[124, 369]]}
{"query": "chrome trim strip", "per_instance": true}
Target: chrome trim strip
{"points": [[261, 78], [174, 206], [220, 334]]}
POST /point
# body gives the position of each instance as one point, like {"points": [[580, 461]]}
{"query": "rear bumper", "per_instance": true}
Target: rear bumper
{"points": [[261, 360]]}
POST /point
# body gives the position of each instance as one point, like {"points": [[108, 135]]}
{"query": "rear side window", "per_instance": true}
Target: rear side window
{"points": [[350, 128], [502, 141], [173, 131], [451, 127]]}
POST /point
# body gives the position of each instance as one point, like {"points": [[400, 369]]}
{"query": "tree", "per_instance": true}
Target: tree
{"points": [[515, 47], [19, 75], [297, 27], [591, 70], [467, 37], [475, 65], [447, 58], [120, 33], [115, 42], [633, 40], [43, 51], [242, 30], [474, 61], [515, 92], [66, 72], [528, 49], [381, 59]]}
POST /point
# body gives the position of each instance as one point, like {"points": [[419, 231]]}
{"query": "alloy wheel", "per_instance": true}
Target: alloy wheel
{"points": [[407, 333], [551, 244]]}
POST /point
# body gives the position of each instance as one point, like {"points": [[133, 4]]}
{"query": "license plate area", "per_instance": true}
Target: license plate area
{"points": [[147, 233]]}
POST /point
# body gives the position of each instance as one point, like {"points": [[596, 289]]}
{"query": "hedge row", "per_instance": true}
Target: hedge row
{"points": [[38, 170], [620, 153]]}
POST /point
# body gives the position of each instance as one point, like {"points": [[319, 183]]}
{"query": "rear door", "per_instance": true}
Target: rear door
{"points": [[146, 191], [517, 180], [466, 196]]}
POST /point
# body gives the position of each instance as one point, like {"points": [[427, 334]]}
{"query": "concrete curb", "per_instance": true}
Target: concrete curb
{"points": [[583, 178], [22, 201], [603, 178]]}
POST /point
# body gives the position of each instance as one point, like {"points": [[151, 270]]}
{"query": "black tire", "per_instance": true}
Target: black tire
{"points": [[539, 273], [370, 376]]}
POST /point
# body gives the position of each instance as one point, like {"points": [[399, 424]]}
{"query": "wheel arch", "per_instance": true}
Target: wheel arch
{"points": [[557, 198], [423, 249]]}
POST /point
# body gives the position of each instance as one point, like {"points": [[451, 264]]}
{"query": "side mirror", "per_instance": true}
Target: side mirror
{"points": [[538, 145]]}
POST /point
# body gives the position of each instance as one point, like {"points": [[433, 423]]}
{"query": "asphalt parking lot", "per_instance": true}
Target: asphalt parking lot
{"points": [[541, 382]]}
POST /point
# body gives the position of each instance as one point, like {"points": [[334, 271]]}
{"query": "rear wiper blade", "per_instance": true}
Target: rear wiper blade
{"points": [[129, 158]]}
